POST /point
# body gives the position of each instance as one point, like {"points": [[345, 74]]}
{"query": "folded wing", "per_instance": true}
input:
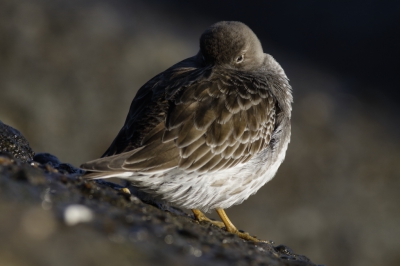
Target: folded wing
{"points": [[197, 120]]}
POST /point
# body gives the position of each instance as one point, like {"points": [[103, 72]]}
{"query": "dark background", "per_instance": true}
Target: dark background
{"points": [[69, 70]]}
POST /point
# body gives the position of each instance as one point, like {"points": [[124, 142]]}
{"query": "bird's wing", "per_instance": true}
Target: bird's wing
{"points": [[150, 105], [229, 119], [202, 122]]}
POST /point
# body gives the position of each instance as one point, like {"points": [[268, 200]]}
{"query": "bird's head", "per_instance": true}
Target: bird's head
{"points": [[231, 44]]}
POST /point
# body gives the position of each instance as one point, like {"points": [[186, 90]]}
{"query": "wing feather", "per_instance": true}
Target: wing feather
{"points": [[205, 121]]}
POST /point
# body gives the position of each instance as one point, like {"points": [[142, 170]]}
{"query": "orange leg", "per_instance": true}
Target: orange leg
{"points": [[232, 229]]}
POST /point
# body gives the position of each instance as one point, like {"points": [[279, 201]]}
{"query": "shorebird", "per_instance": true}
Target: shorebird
{"points": [[209, 131]]}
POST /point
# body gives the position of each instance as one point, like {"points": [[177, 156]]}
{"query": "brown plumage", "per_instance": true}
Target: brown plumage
{"points": [[191, 127]]}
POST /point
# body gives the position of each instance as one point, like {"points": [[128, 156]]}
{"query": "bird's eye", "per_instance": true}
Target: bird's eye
{"points": [[239, 59]]}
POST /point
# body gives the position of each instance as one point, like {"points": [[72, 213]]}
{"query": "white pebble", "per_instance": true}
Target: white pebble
{"points": [[77, 213]]}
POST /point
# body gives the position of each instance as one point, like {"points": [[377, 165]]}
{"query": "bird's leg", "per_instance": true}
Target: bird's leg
{"points": [[232, 229], [199, 216]]}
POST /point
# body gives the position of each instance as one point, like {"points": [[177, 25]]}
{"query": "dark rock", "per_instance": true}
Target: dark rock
{"points": [[14, 143], [52, 161]]}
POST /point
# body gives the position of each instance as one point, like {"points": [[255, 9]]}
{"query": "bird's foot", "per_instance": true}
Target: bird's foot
{"points": [[245, 235], [201, 217], [231, 228]]}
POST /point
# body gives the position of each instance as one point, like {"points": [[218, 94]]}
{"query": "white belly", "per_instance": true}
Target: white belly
{"points": [[221, 189]]}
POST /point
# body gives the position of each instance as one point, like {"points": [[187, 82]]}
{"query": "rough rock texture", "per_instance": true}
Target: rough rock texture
{"points": [[51, 216], [12, 142]]}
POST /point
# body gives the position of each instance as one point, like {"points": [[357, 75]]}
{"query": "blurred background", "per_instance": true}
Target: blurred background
{"points": [[69, 70]]}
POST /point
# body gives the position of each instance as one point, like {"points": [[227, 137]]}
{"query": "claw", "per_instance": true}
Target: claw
{"points": [[226, 223]]}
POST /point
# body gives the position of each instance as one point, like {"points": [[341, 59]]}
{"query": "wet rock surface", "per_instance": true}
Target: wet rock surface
{"points": [[51, 216]]}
